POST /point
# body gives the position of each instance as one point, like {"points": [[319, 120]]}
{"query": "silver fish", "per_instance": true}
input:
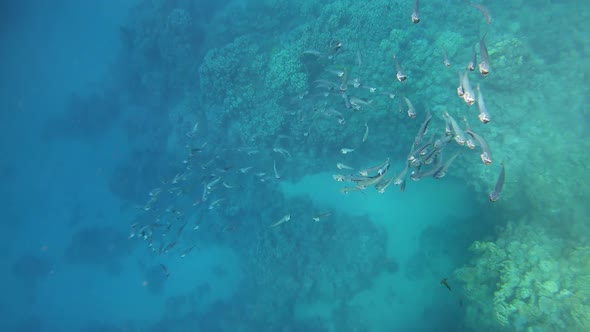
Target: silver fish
{"points": [[468, 94], [411, 109], [423, 129], [458, 133], [442, 171], [460, 90], [446, 57], [416, 12], [400, 73], [495, 194], [471, 65], [486, 153], [484, 116], [484, 64]]}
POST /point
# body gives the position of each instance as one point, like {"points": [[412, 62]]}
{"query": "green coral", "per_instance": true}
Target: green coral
{"points": [[525, 281]]}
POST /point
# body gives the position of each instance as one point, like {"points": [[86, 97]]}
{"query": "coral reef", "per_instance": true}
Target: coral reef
{"points": [[527, 280]]}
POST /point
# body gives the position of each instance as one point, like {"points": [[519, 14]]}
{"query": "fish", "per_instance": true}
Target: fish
{"points": [[370, 181], [284, 219], [344, 84], [416, 12], [193, 131], [366, 135], [346, 190], [180, 229], [346, 150], [484, 11], [375, 169], [213, 183], [411, 109], [445, 283], [321, 215], [471, 64], [495, 194], [165, 270], [155, 192], [338, 177], [382, 185], [169, 246], [458, 133], [227, 185], [244, 170], [486, 153], [423, 129], [187, 251], [274, 168], [282, 151], [446, 57], [484, 64], [460, 90], [469, 142], [483, 116], [215, 203], [417, 175], [400, 73], [342, 166], [442, 170], [468, 94]]}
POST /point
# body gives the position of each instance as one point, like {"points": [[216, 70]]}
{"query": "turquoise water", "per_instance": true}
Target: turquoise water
{"points": [[169, 166]]}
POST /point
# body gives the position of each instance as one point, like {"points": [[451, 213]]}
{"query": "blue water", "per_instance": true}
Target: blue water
{"points": [[169, 166]]}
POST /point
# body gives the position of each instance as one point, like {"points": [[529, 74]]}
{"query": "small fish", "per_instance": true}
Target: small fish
{"points": [[471, 65], [416, 12], [215, 203], [484, 64], [227, 185], [468, 94], [375, 169], [282, 151], [459, 136], [274, 168], [469, 142], [347, 190], [244, 170], [181, 229], [166, 273], [445, 283], [382, 185], [344, 84], [320, 216], [460, 90], [338, 177], [346, 150], [343, 166], [282, 220], [193, 131], [155, 192], [446, 57], [484, 11], [187, 251], [169, 246], [486, 153], [495, 194], [442, 170], [366, 135], [484, 116], [411, 109], [400, 73], [423, 129], [211, 184]]}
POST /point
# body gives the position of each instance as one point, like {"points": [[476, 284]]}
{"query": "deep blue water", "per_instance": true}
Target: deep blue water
{"points": [[169, 166]]}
